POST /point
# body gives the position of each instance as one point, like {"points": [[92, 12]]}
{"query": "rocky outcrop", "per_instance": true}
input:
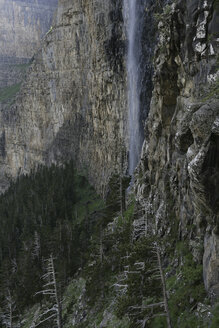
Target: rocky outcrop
{"points": [[178, 176], [73, 104]]}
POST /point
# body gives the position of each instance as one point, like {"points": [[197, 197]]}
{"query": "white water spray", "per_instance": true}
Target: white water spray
{"points": [[132, 28]]}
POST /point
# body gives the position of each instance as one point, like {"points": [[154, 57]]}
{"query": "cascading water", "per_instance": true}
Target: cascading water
{"points": [[139, 73]]}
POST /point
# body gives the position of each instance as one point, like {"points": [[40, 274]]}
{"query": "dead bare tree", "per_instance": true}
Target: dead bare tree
{"points": [[36, 245], [50, 288], [163, 281], [7, 317], [122, 177], [151, 310]]}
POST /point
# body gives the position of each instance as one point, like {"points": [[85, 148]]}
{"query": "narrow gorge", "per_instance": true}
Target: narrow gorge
{"points": [[109, 154]]}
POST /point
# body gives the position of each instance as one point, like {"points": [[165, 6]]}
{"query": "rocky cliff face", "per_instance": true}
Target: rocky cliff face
{"points": [[74, 105], [74, 101], [22, 25], [178, 175]]}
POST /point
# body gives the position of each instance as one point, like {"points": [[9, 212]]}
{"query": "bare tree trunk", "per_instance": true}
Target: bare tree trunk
{"points": [[59, 308], [166, 307], [9, 305], [50, 289], [11, 316], [121, 195], [101, 245]]}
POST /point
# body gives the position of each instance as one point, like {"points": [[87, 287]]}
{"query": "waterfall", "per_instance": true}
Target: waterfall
{"points": [[133, 16]]}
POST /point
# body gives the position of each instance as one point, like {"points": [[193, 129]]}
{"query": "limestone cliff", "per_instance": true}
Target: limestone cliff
{"points": [[74, 105], [22, 25], [178, 176], [74, 101]]}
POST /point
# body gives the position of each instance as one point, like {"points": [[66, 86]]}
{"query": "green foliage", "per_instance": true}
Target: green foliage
{"points": [[50, 30], [22, 67], [216, 5], [105, 252], [143, 285], [29, 316], [213, 91], [164, 15], [188, 319], [71, 299], [186, 289], [159, 322], [7, 93], [118, 323], [185, 285], [217, 62], [167, 9], [101, 271], [116, 194], [129, 213], [54, 210], [215, 320]]}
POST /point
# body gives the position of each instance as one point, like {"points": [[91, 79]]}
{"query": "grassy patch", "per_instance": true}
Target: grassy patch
{"points": [[22, 67], [115, 322], [30, 315], [71, 300], [8, 93], [215, 320], [213, 91]]}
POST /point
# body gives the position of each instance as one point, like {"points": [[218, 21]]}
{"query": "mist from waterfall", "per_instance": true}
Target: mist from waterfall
{"points": [[133, 56]]}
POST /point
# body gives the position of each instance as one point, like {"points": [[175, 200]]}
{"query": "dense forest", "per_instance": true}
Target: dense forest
{"points": [[51, 211], [66, 251]]}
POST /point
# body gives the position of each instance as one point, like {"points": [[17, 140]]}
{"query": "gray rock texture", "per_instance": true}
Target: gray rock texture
{"points": [[73, 104], [178, 177], [23, 23]]}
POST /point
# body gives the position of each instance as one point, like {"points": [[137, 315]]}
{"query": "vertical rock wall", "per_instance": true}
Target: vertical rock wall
{"points": [[22, 25], [178, 176], [73, 104]]}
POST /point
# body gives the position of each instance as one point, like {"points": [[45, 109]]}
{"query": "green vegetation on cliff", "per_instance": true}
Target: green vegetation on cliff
{"points": [[22, 67], [106, 276], [8, 93], [52, 211]]}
